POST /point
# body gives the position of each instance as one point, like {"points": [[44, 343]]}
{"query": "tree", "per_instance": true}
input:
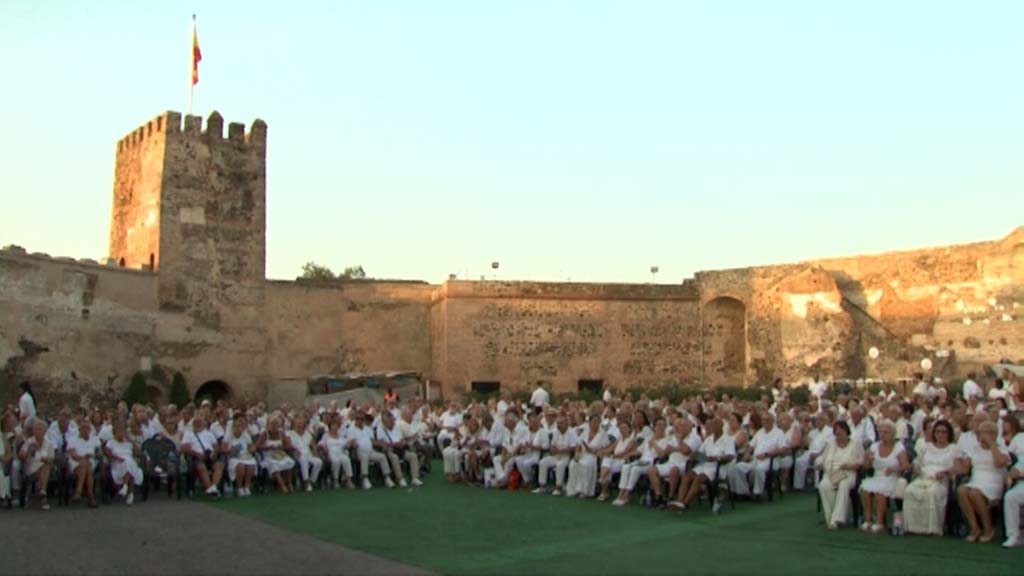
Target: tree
{"points": [[136, 392], [353, 273], [179, 391], [313, 271]]}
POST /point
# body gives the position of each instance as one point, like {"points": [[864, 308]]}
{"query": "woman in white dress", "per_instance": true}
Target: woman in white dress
{"points": [[889, 460], [741, 441], [37, 454], [301, 438], [838, 465], [274, 445], [237, 444], [987, 463], [583, 467], [334, 446], [613, 457], [124, 470], [718, 448], [924, 502]]}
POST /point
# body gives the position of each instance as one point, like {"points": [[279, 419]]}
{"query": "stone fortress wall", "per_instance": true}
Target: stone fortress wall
{"points": [[184, 289]]}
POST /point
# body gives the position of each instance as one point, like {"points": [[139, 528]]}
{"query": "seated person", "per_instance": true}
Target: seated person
{"points": [[304, 448], [362, 434], [924, 501], [124, 470], [37, 455], [81, 454], [389, 439], [561, 446], [334, 445], [528, 443], [274, 445], [986, 462], [200, 443], [817, 439], [238, 446], [838, 465], [718, 448], [1014, 497], [767, 443], [889, 460], [583, 466], [615, 456], [683, 449]]}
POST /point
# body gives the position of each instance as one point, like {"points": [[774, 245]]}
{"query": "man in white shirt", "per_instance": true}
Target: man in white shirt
{"points": [[362, 435], [560, 448], [61, 430], [391, 440], [540, 398], [971, 389], [768, 442], [818, 390], [201, 444], [526, 449], [817, 440], [862, 430], [1013, 500]]}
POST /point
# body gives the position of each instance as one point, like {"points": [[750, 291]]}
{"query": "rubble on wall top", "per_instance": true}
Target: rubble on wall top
{"points": [[107, 264], [171, 122]]}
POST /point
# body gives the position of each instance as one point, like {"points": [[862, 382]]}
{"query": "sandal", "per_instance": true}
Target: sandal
{"points": [[988, 537], [971, 538]]}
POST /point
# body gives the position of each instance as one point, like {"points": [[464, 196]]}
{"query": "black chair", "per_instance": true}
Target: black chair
{"points": [[161, 464], [714, 488]]}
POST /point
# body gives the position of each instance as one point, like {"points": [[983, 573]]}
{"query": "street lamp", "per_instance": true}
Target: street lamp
{"points": [[654, 273]]}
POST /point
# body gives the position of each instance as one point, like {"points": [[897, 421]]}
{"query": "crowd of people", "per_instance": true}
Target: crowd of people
{"points": [[879, 460]]}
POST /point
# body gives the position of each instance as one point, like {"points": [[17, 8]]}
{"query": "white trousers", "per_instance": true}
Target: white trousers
{"points": [[803, 463], [1012, 502], [560, 463], [452, 460], [525, 464], [582, 476], [340, 462], [835, 500], [310, 466], [738, 477], [411, 457], [376, 457], [631, 474]]}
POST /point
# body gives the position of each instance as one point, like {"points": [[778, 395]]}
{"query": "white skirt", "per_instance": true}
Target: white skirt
{"points": [[708, 469], [988, 483], [280, 464], [879, 485], [234, 463], [130, 467]]}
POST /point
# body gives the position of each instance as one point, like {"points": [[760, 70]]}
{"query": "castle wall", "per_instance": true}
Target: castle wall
{"points": [[135, 212], [519, 333], [347, 327]]}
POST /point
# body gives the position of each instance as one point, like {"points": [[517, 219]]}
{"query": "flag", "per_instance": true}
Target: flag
{"points": [[197, 56]]}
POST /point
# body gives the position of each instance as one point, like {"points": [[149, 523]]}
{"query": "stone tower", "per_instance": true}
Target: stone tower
{"points": [[190, 204]]}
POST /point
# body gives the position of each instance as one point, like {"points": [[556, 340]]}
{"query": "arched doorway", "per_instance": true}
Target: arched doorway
{"points": [[725, 341], [154, 395], [213, 390]]}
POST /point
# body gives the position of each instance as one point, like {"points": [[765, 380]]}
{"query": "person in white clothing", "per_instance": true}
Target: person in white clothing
{"points": [[540, 398], [971, 389], [838, 466], [37, 453], [817, 439], [1013, 499], [718, 448], [391, 440], [987, 464], [889, 460], [26, 405], [686, 447], [767, 443], [363, 436], [238, 445], [561, 446], [334, 446], [273, 444], [583, 466], [81, 457], [200, 443], [304, 449], [527, 455], [656, 447], [124, 470], [924, 500], [616, 455], [793, 440]]}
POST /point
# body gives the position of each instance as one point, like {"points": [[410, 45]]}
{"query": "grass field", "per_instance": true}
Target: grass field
{"points": [[454, 529]]}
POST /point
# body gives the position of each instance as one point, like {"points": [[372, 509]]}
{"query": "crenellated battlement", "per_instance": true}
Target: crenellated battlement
{"points": [[174, 123]]}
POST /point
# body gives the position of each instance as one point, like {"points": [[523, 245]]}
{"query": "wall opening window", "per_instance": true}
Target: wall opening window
{"points": [[486, 387], [592, 386]]}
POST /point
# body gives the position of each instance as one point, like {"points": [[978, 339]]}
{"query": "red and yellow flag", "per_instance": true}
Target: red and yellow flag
{"points": [[196, 54]]}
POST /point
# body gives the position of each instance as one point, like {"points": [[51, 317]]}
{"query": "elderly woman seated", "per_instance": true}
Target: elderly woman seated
{"points": [[124, 470], [37, 454], [924, 502], [838, 465], [987, 463], [889, 460], [81, 455], [274, 444]]}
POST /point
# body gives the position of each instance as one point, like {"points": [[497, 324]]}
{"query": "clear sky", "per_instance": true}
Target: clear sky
{"points": [[585, 140]]}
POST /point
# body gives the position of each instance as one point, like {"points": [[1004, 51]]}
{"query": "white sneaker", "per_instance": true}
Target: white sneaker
{"points": [[1013, 543], [538, 490], [130, 498], [618, 502], [309, 487], [366, 484], [402, 483], [389, 482], [556, 492], [417, 482], [244, 492], [716, 506], [213, 490], [123, 491]]}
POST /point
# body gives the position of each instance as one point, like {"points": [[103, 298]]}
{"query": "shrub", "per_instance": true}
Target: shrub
{"points": [[179, 391], [136, 392]]}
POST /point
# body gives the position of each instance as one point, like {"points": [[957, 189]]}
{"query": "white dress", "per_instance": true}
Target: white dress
{"points": [[275, 459], [583, 467], [127, 464], [883, 482], [985, 477], [924, 502], [239, 450], [36, 457]]}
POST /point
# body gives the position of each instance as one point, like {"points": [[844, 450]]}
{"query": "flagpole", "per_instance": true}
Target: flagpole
{"points": [[192, 64]]}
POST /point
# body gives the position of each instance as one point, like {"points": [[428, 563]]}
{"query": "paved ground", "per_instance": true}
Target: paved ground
{"points": [[168, 537]]}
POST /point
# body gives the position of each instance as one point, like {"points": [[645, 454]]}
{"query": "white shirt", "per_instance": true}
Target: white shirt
{"points": [[198, 443], [540, 398], [971, 389], [693, 441], [718, 448], [26, 407], [363, 437], [79, 448], [1016, 448], [818, 440], [764, 442], [59, 439], [863, 433], [563, 441]]}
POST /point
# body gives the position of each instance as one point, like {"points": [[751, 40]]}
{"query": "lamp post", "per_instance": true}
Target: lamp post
{"points": [[494, 266], [654, 273]]}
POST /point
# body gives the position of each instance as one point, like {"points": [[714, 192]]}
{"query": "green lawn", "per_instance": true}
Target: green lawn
{"points": [[464, 530]]}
